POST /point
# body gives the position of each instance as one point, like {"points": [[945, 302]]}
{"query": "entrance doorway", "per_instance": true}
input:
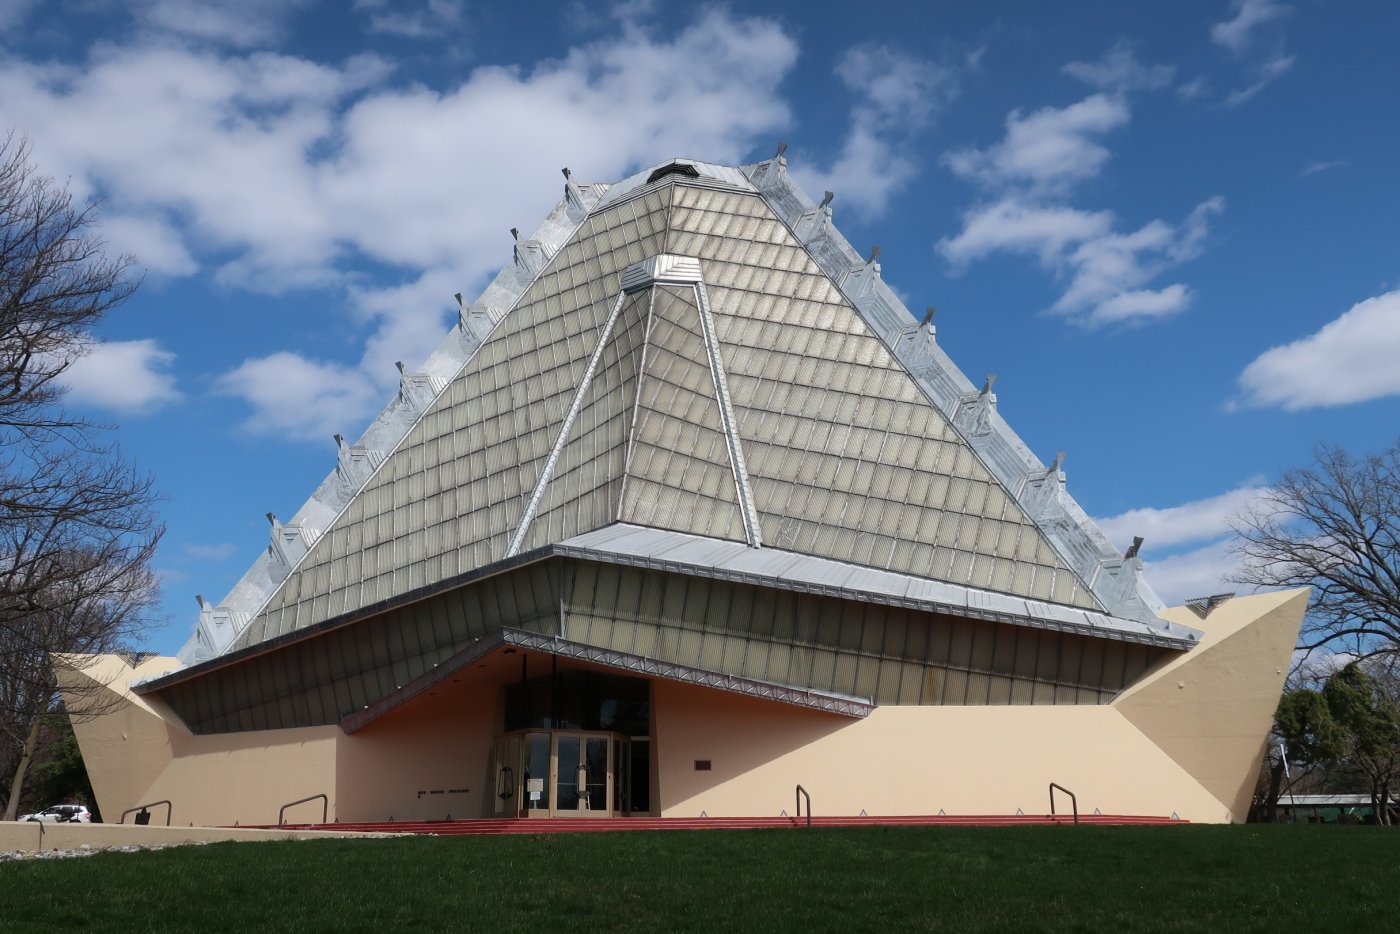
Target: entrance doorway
{"points": [[562, 773]]}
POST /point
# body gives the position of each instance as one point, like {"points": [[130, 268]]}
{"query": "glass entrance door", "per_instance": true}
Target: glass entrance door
{"points": [[558, 773], [583, 775]]}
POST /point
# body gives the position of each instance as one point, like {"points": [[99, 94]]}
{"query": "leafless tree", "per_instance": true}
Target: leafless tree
{"points": [[77, 529], [1334, 527]]}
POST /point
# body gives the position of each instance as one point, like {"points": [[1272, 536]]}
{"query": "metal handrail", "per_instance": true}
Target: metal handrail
{"points": [[169, 810], [325, 807], [1073, 801], [802, 793]]}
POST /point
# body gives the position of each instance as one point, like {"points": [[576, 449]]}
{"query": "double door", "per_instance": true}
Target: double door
{"points": [[555, 773]]}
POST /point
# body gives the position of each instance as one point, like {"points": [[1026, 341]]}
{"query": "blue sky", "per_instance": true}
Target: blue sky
{"points": [[1170, 229]]}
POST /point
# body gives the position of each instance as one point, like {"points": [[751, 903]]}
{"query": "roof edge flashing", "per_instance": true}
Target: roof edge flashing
{"points": [[1069, 529]]}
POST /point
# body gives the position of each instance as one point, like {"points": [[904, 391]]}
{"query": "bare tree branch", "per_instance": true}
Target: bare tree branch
{"points": [[1334, 527], [77, 529]]}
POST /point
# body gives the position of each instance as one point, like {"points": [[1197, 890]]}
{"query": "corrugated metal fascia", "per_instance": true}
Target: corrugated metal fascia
{"points": [[713, 558]]}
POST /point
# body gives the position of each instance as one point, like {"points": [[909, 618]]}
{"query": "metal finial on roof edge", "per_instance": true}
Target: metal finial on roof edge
{"points": [[827, 197], [874, 254], [929, 312], [515, 233], [782, 148], [1134, 548], [1057, 465], [987, 386]]}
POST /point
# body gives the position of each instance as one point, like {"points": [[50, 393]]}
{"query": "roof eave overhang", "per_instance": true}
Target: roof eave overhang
{"points": [[970, 603], [829, 702]]}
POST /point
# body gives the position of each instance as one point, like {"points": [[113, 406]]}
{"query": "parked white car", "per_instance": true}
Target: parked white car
{"points": [[61, 814]]}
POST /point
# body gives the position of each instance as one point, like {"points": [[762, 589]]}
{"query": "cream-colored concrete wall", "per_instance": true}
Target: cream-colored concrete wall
{"points": [[1184, 740], [441, 744], [126, 742], [138, 752], [1212, 709], [910, 760], [245, 778]]}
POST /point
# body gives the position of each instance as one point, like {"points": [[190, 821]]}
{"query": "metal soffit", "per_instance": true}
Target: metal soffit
{"points": [[829, 701], [1040, 492]]}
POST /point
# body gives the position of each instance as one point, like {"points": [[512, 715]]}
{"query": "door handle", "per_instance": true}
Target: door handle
{"points": [[505, 783]]}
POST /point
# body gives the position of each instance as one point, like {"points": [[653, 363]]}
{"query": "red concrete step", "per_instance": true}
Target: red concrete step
{"points": [[604, 824]]}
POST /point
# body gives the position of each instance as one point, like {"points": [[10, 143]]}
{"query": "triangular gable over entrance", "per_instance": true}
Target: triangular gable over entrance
{"points": [[767, 402]]}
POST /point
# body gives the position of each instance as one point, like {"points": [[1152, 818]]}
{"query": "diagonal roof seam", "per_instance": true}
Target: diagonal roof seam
{"points": [[647, 350], [726, 414], [547, 474], [685, 272], [1115, 582]]}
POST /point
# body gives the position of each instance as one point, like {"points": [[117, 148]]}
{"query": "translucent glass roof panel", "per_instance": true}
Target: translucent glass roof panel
{"points": [[846, 457], [586, 487], [449, 497], [679, 475]]}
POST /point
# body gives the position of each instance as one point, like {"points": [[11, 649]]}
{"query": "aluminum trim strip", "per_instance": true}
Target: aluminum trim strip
{"points": [[726, 413]]}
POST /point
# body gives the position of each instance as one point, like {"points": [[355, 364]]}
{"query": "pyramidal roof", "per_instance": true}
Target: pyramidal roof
{"points": [[692, 362]]}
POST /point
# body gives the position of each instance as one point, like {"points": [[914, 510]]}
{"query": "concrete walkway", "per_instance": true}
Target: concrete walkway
{"points": [[25, 837]]}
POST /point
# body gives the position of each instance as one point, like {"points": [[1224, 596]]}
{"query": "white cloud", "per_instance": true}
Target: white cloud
{"points": [[1246, 30], [1047, 151], [1197, 87], [242, 23], [1196, 521], [154, 242], [14, 12], [1239, 33], [219, 552], [128, 377], [1140, 305], [1351, 359], [1030, 174], [433, 19], [1014, 226], [1107, 270], [1312, 168], [1264, 75], [897, 95], [1197, 573], [1119, 70], [284, 173], [298, 398]]}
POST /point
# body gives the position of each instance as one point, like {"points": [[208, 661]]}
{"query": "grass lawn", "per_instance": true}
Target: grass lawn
{"points": [[1219, 879]]}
